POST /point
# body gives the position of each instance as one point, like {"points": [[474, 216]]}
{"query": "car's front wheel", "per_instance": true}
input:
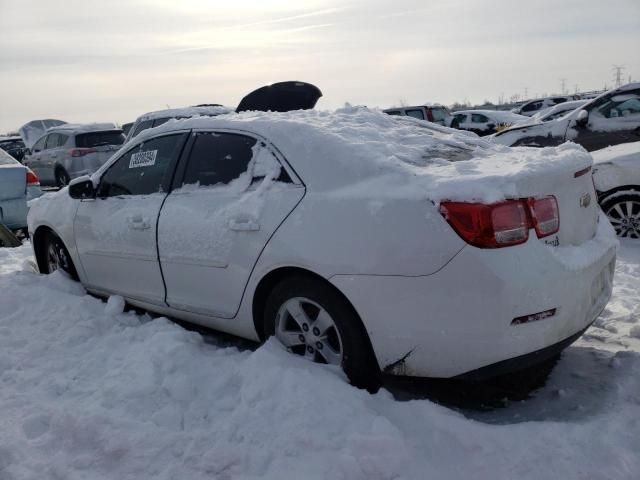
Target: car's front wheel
{"points": [[623, 211], [310, 318], [56, 256]]}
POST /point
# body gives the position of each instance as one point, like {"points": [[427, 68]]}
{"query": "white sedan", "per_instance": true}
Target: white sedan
{"points": [[376, 243]]}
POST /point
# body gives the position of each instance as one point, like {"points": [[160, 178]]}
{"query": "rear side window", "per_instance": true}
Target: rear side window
{"points": [[52, 141], [97, 139], [461, 117], [415, 113], [559, 100], [144, 169], [218, 158], [393, 112], [142, 126], [159, 121]]}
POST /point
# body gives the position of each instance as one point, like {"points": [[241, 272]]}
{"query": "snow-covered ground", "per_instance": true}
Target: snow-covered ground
{"points": [[90, 392]]}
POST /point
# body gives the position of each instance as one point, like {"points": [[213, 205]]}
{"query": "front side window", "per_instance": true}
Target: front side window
{"points": [[144, 169], [415, 113], [39, 145], [620, 105], [218, 158], [478, 118], [439, 114]]}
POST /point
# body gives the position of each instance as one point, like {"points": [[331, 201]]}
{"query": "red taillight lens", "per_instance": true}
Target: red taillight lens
{"points": [[545, 215], [32, 178], [81, 152], [489, 226]]}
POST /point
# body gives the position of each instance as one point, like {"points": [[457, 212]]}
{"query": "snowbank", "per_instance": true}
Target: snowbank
{"points": [[89, 392]]}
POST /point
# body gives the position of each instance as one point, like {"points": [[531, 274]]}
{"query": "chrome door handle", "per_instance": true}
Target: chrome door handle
{"points": [[243, 225]]}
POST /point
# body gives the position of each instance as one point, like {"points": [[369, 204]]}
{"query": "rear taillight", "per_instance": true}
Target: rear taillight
{"points": [[504, 223], [81, 152], [545, 215], [32, 178]]}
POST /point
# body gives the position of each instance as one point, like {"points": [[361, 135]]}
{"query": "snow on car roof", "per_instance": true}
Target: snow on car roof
{"points": [[83, 127], [186, 112], [403, 155], [502, 115]]}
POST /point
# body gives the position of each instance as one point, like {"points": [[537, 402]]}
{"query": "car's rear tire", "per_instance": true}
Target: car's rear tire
{"points": [[56, 256], [62, 177], [310, 318], [623, 211]]}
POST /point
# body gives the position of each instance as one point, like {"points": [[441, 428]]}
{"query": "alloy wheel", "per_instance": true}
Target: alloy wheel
{"points": [[625, 218], [306, 328]]}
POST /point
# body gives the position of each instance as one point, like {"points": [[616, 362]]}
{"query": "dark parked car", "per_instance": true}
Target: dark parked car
{"points": [[610, 119]]}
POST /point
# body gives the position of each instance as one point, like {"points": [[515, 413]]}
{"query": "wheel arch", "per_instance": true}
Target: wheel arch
{"points": [[602, 196], [270, 280]]}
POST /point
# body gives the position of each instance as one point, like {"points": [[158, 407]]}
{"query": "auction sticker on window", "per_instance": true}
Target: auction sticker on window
{"points": [[143, 159]]}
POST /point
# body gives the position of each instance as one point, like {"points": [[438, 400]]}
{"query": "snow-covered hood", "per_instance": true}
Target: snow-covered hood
{"points": [[32, 131]]}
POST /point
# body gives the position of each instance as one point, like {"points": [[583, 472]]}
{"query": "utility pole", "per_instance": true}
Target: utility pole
{"points": [[576, 88], [617, 75], [526, 93], [563, 86]]}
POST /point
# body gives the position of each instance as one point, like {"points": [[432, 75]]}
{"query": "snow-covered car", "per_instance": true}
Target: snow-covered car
{"points": [[155, 119], [616, 174], [431, 112], [532, 107], [486, 122], [18, 184], [72, 150], [554, 112], [357, 239], [610, 119]]}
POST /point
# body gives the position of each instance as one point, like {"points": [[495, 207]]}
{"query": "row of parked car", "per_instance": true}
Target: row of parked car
{"points": [[57, 151]]}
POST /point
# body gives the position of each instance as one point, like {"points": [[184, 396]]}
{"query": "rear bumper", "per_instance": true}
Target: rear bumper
{"points": [[459, 320], [13, 213]]}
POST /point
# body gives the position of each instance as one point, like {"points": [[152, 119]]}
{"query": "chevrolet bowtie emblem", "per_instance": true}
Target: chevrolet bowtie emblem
{"points": [[585, 200]]}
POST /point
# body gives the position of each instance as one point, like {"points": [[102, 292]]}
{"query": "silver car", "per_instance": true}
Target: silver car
{"points": [[17, 185], [69, 151]]}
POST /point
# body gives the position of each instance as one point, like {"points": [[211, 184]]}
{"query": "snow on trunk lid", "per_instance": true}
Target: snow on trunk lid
{"points": [[13, 181], [577, 202]]}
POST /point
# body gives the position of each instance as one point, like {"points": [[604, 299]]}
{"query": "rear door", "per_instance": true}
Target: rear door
{"points": [[116, 232], [232, 196]]}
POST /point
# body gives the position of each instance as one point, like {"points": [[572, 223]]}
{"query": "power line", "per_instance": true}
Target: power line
{"points": [[617, 74]]}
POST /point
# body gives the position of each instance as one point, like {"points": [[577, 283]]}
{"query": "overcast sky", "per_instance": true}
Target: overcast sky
{"points": [[93, 60]]}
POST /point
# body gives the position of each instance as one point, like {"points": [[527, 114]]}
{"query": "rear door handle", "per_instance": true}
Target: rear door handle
{"points": [[243, 225]]}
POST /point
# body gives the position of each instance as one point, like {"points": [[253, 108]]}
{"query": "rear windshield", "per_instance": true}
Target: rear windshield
{"points": [[96, 139]]}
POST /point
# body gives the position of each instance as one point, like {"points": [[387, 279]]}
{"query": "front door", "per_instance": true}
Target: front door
{"points": [[116, 233], [233, 196]]}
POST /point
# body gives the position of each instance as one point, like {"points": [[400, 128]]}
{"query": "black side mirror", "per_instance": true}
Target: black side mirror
{"points": [[82, 188], [583, 118]]}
